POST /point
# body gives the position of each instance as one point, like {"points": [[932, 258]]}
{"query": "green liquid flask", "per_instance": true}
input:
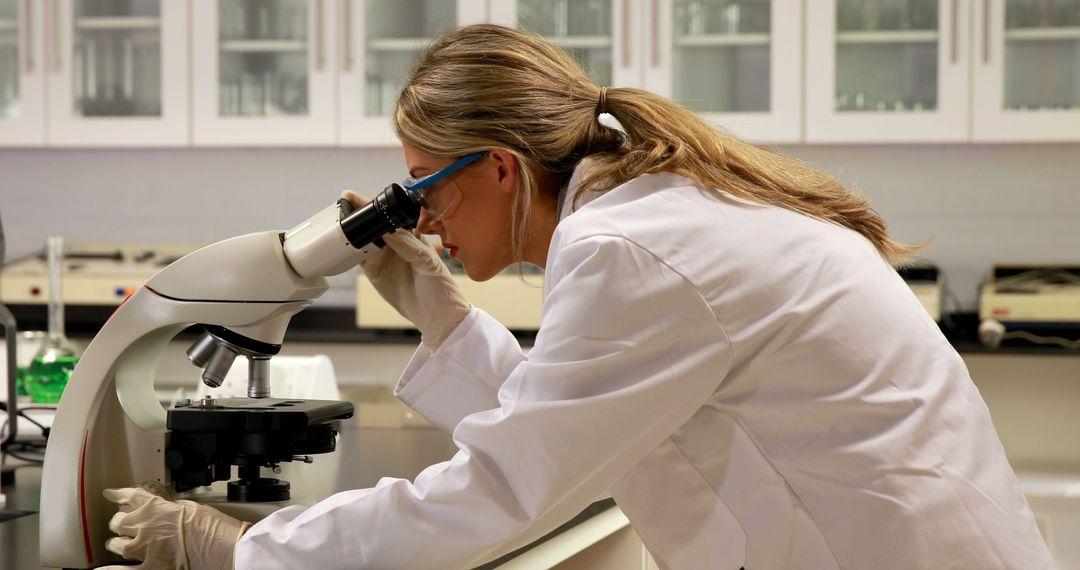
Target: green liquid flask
{"points": [[50, 377], [48, 374]]}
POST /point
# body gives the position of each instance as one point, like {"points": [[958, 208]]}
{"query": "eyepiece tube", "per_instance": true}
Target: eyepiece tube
{"points": [[338, 237], [394, 207]]}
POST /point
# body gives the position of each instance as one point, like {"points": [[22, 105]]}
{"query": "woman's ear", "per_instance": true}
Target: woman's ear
{"points": [[506, 169]]}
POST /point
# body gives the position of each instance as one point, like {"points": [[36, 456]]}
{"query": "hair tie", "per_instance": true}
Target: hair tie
{"points": [[601, 105]]}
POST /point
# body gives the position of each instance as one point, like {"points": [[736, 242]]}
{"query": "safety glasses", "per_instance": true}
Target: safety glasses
{"points": [[438, 200]]}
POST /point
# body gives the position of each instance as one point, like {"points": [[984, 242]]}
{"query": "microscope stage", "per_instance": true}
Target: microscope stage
{"points": [[255, 415]]}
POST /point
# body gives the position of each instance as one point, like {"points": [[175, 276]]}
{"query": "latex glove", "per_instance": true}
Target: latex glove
{"points": [[171, 534], [411, 277]]}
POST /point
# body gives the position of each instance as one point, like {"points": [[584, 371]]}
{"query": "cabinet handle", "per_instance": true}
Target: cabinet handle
{"points": [[320, 57], [28, 42], [57, 57], [654, 6], [626, 33], [955, 10], [986, 31], [346, 34]]}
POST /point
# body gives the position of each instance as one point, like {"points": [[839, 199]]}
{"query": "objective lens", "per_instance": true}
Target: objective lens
{"points": [[199, 354], [219, 366]]}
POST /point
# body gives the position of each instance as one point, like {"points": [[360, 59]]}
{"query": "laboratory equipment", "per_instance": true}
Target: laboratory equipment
{"points": [[48, 373], [94, 274], [926, 281], [110, 430], [1036, 303], [513, 297], [7, 321]]}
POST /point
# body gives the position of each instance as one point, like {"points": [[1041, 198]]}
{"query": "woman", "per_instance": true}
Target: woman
{"points": [[724, 347]]}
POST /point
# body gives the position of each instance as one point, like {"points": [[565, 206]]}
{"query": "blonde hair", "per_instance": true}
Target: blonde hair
{"points": [[486, 86]]}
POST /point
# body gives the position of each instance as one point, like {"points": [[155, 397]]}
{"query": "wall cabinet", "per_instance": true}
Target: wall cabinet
{"points": [[1026, 70], [93, 72], [112, 77], [736, 62], [263, 72], [309, 72], [887, 71], [943, 71], [327, 72], [380, 40]]}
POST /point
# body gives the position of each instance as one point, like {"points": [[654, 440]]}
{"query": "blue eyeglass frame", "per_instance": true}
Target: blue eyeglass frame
{"points": [[433, 178]]}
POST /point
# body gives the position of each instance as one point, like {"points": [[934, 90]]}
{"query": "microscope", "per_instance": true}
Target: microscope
{"points": [[111, 431]]}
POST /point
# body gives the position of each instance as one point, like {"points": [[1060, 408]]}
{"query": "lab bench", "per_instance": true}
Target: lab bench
{"points": [[366, 455], [334, 324], [1030, 390]]}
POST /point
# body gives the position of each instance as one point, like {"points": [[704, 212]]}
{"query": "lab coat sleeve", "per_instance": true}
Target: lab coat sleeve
{"points": [[628, 351], [464, 375]]}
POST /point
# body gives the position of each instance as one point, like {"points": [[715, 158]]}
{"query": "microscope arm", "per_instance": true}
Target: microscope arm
{"points": [[110, 429]]}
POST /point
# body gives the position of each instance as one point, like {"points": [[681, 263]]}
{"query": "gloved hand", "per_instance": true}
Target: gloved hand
{"points": [[411, 277], [168, 534]]}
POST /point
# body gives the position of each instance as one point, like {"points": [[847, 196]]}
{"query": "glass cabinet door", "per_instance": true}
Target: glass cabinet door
{"points": [[888, 70], [395, 31], [116, 63], [737, 62], [21, 79], [1027, 70], [264, 72], [12, 52], [380, 42], [262, 58], [886, 56], [730, 39], [592, 31], [109, 78]]}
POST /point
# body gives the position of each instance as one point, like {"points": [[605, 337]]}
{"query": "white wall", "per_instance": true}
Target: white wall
{"points": [[980, 203]]}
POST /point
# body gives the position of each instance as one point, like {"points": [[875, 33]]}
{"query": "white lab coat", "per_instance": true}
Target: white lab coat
{"points": [[754, 388]]}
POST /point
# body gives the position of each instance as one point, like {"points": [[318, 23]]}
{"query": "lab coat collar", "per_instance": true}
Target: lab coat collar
{"points": [[568, 192]]}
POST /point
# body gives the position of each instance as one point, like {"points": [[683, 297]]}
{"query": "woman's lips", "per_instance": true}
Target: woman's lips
{"points": [[452, 248]]}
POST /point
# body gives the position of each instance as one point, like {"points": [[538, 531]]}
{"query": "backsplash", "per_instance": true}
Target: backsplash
{"points": [[979, 203]]}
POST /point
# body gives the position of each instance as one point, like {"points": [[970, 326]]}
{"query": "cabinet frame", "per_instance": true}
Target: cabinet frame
{"points": [[990, 121], [317, 128], [68, 129], [783, 122], [28, 129], [949, 122], [356, 128], [971, 38]]}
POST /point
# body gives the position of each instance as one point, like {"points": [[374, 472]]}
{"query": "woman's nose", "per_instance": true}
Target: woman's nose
{"points": [[427, 224]]}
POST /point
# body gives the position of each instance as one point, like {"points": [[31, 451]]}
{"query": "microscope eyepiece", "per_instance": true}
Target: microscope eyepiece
{"points": [[393, 208]]}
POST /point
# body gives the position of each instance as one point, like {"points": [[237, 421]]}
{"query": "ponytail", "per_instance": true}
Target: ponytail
{"points": [[663, 136]]}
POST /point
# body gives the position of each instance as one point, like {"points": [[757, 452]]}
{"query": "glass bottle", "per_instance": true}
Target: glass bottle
{"points": [[55, 360]]}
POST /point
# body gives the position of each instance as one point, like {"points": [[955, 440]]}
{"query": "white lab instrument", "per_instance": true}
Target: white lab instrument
{"points": [[1037, 303], [110, 430], [926, 282], [94, 274], [513, 299]]}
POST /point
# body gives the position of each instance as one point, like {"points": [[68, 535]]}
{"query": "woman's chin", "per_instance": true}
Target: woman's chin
{"points": [[478, 272]]}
